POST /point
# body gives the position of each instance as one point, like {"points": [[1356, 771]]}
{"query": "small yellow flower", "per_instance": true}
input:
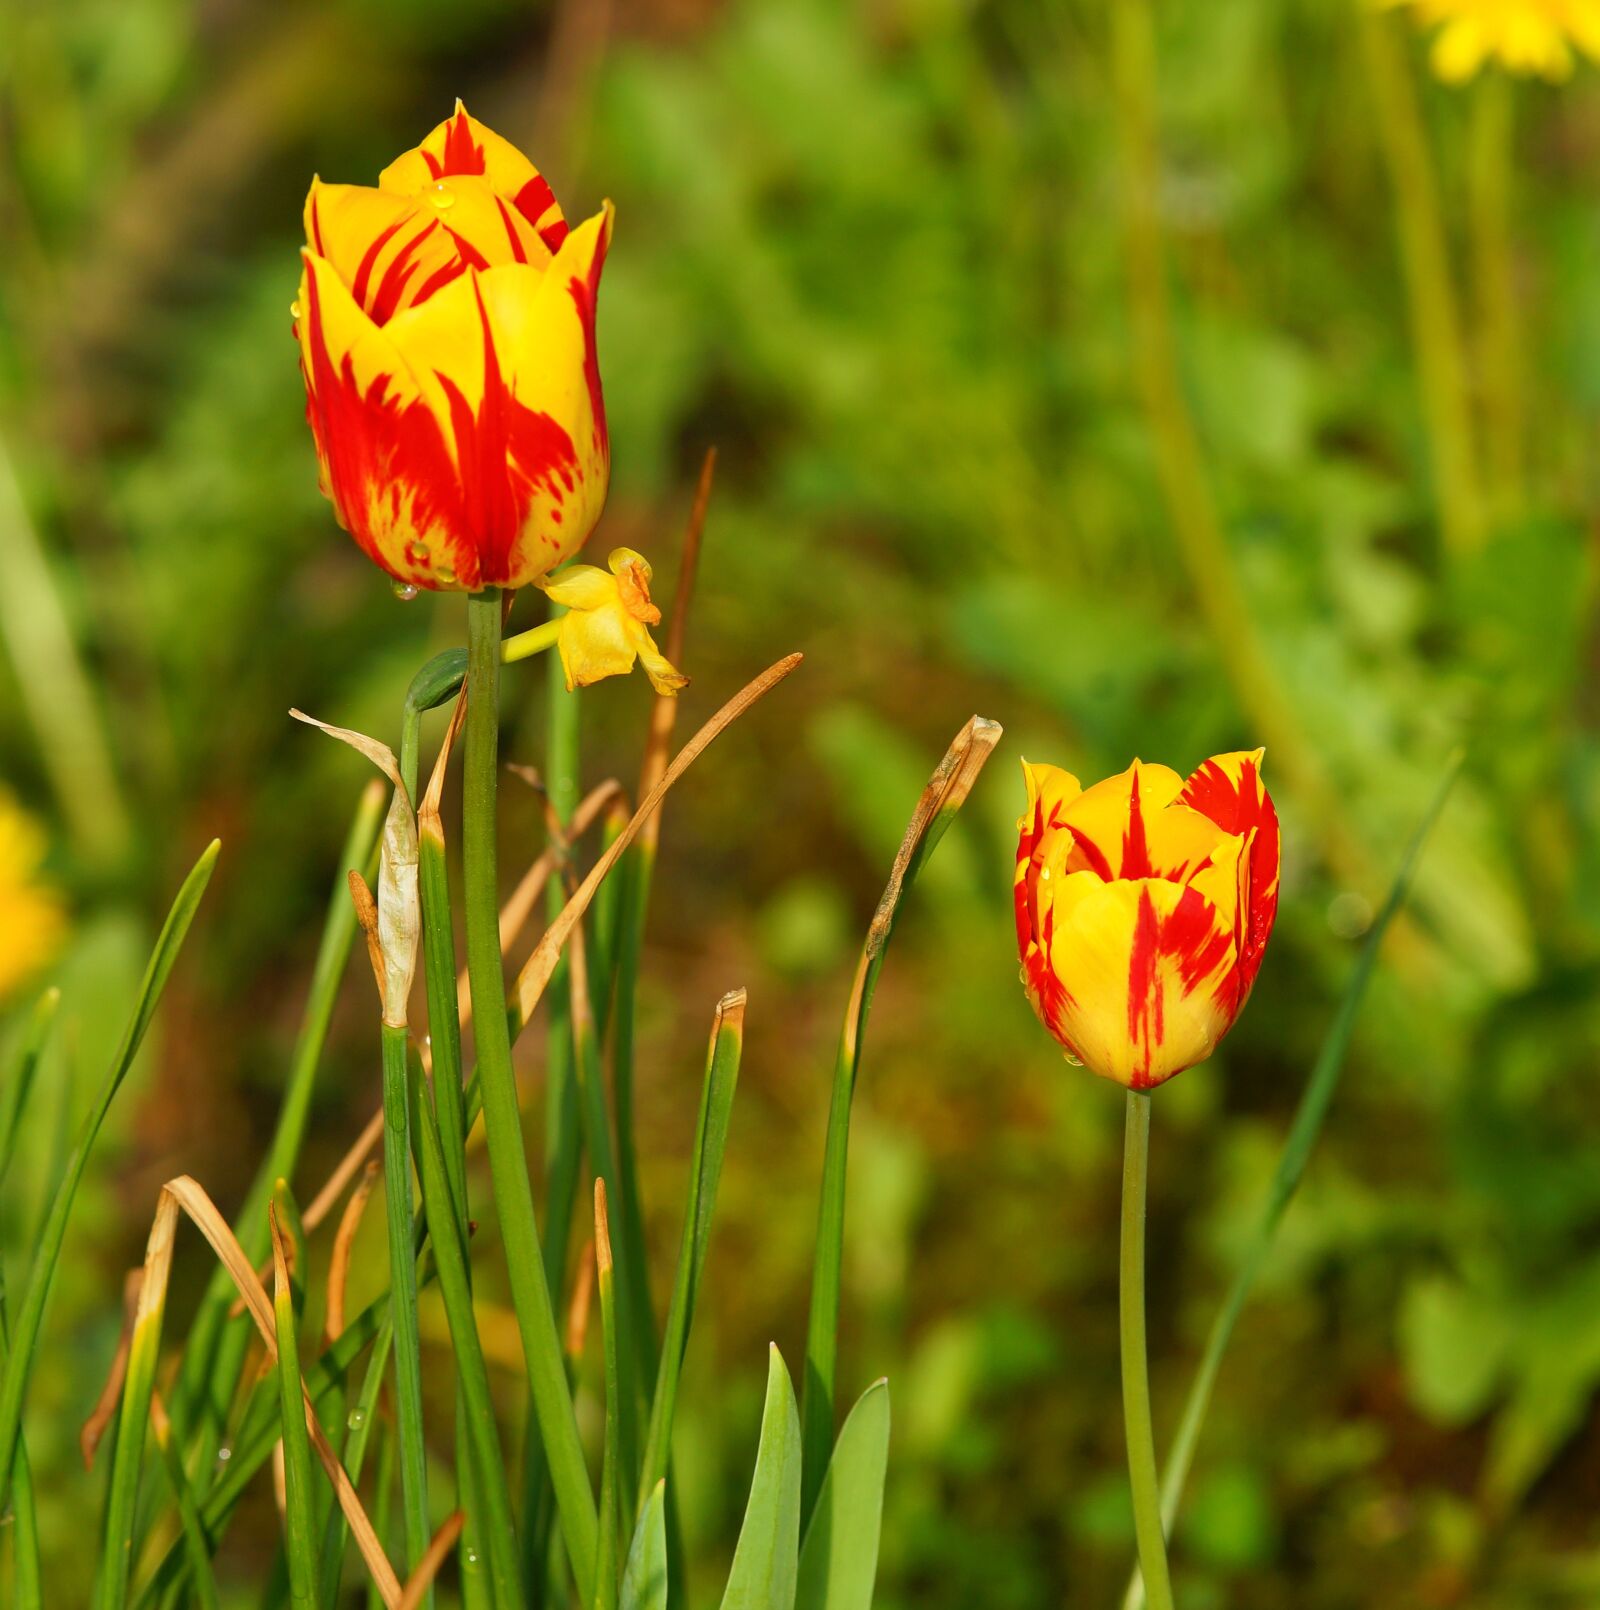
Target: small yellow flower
{"points": [[1526, 37], [607, 624], [32, 918]]}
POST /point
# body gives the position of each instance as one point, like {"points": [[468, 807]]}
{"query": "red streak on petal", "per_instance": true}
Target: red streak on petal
{"points": [[369, 261], [392, 287], [438, 279], [433, 163], [1092, 853], [1135, 846], [470, 254], [517, 250], [585, 295], [533, 201], [462, 154], [1146, 1003]]}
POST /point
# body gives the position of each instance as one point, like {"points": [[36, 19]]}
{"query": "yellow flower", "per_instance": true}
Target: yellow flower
{"points": [[1527, 37], [446, 322], [32, 919], [607, 623], [1143, 908]]}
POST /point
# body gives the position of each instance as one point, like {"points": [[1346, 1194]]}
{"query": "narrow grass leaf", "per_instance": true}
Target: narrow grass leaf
{"points": [[19, 1075], [705, 1172], [36, 1294], [1303, 1132], [299, 1506], [766, 1558], [644, 1581], [944, 795], [839, 1558]]}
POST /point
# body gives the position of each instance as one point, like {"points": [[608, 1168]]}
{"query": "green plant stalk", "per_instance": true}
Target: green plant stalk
{"points": [[36, 1294], [705, 1173], [358, 1429], [196, 1545], [947, 789], [26, 1575], [144, 1348], [1142, 1477], [298, 1505], [447, 1231], [637, 872], [1292, 1160], [19, 1075], [403, 1289], [258, 1431], [562, 1130], [605, 1592], [1430, 291], [1489, 170], [639, 1362], [214, 1355], [508, 1161], [382, 1499]]}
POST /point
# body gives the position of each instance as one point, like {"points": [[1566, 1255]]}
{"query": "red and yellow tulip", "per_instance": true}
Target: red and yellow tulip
{"points": [[446, 322], [1143, 908]]}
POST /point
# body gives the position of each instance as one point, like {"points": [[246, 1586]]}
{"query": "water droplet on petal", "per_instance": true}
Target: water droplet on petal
{"points": [[441, 195], [1076, 1062], [417, 552], [446, 574], [405, 591], [294, 310]]}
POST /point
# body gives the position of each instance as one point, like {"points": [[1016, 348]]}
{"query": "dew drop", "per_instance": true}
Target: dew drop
{"points": [[294, 310], [405, 591], [442, 196], [471, 1559], [1076, 1062], [417, 552], [358, 1418], [224, 1454], [446, 573]]}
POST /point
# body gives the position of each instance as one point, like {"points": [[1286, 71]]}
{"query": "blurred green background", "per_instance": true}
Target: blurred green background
{"points": [[879, 253]]}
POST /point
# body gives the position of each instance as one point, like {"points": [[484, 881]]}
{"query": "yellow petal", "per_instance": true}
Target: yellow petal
{"points": [[582, 587]]}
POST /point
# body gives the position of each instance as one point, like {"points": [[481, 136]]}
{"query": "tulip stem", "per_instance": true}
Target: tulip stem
{"points": [[508, 1157], [1142, 1473]]}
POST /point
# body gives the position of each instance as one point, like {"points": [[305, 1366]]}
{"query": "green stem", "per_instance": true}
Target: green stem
{"points": [[1430, 292], [403, 1286], [508, 1158], [1142, 1475], [299, 1511]]}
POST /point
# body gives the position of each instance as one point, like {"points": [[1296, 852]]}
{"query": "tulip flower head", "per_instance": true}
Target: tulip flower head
{"points": [[34, 920], [1531, 38], [608, 621], [446, 322], [1143, 908]]}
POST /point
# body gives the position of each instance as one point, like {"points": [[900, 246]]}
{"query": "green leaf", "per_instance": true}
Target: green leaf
{"points": [[644, 1581], [839, 1560], [766, 1560]]}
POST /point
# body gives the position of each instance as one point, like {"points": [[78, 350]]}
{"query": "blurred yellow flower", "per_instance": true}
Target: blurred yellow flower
{"points": [[608, 620], [32, 918], [1527, 37]]}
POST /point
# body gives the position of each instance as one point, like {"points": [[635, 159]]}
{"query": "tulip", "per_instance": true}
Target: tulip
{"points": [[606, 627], [1143, 907], [446, 322]]}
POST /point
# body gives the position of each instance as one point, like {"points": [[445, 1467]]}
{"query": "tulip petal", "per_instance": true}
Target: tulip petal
{"points": [[385, 461], [462, 146], [1228, 789], [1148, 973], [1131, 826]]}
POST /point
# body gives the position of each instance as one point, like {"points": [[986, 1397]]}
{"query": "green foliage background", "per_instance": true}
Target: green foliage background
{"points": [[874, 252]]}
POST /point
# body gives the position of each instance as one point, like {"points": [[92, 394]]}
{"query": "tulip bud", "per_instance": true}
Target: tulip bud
{"points": [[1143, 908], [446, 322]]}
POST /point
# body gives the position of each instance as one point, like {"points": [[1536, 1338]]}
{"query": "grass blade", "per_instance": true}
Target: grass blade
{"points": [[299, 1505], [705, 1172], [36, 1294], [1303, 1132], [839, 1558], [945, 794], [644, 1581], [767, 1555], [19, 1076], [605, 1565]]}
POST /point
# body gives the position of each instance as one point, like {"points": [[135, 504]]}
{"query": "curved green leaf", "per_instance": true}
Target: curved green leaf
{"points": [[766, 1560], [839, 1560]]}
